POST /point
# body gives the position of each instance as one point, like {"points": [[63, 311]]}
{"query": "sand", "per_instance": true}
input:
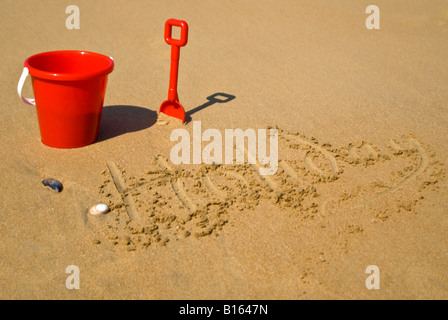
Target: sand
{"points": [[362, 124]]}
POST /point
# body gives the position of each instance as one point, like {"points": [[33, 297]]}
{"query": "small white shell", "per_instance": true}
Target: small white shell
{"points": [[100, 208]]}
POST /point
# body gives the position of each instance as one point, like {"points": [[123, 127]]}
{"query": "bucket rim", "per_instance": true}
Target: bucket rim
{"points": [[72, 76]]}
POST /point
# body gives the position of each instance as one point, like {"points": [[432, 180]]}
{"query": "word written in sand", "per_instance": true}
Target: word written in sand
{"points": [[212, 152], [373, 21], [72, 21]]}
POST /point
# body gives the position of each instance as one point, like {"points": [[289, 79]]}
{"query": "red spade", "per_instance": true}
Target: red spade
{"points": [[172, 107]]}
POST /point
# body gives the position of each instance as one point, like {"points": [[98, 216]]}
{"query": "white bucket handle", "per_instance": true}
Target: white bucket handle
{"points": [[22, 79]]}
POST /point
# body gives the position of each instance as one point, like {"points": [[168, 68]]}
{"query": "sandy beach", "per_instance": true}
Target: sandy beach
{"points": [[362, 121]]}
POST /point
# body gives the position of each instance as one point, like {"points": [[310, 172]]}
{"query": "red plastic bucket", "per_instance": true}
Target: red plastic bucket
{"points": [[69, 89]]}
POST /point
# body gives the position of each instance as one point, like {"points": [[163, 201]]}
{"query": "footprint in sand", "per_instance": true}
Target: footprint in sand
{"points": [[170, 203]]}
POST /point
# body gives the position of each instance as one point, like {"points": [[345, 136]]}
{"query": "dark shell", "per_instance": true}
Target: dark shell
{"points": [[53, 184]]}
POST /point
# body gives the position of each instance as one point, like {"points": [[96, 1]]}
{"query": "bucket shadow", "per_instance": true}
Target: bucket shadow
{"points": [[218, 97], [120, 119]]}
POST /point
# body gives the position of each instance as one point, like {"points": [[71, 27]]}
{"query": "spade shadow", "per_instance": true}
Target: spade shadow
{"points": [[214, 98], [120, 119]]}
